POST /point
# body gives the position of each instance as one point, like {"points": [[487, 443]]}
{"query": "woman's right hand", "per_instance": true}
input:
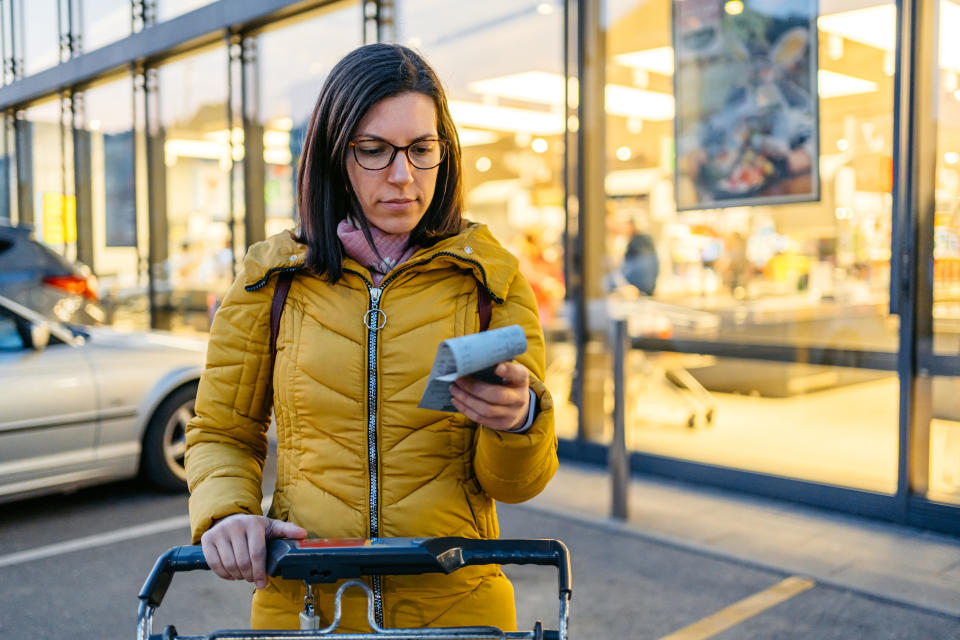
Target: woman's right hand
{"points": [[236, 547]]}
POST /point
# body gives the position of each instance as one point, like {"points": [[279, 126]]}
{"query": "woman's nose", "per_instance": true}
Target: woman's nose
{"points": [[400, 171]]}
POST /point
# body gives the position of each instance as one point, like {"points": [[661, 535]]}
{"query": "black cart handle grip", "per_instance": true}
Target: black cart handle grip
{"points": [[328, 560]]}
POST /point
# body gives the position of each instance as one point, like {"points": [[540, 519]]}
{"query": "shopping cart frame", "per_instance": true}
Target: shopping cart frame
{"points": [[325, 561]]}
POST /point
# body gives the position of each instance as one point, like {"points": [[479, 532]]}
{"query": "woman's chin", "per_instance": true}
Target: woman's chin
{"points": [[396, 223]]}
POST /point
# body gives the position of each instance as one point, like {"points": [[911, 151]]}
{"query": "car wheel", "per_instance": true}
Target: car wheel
{"points": [[165, 443]]}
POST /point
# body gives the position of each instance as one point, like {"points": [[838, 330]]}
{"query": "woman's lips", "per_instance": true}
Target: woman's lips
{"points": [[398, 203]]}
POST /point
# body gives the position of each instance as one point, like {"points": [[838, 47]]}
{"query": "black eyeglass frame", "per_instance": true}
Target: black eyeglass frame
{"points": [[393, 154]]}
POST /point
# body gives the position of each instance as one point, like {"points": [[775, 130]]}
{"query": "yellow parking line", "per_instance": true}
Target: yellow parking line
{"points": [[740, 611]]}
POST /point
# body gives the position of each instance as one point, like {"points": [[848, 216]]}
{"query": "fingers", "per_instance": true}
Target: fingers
{"points": [[243, 567], [281, 529], [513, 374], [515, 377], [218, 552], [212, 556], [257, 547], [501, 407], [235, 548]]}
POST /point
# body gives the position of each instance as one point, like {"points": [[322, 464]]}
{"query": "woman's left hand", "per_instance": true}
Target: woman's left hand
{"points": [[502, 407]]}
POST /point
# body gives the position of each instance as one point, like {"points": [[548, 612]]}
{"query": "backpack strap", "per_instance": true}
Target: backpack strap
{"points": [[276, 310], [484, 306]]}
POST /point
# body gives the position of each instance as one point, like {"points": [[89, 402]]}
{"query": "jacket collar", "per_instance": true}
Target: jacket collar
{"points": [[473, 248]]}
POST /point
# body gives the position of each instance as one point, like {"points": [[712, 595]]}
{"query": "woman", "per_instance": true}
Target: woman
{"points": [[384, 269]]}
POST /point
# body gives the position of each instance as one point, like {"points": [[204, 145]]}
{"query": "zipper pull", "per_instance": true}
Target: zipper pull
{"points": [[371, 321]]}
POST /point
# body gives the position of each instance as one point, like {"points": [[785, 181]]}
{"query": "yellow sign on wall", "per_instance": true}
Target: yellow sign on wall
{"points": [[59, 215]]}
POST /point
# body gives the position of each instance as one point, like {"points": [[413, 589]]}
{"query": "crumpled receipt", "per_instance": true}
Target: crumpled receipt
{"points": [[477, 355]]}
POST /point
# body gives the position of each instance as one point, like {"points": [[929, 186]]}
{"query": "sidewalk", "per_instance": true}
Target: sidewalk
{"points": [[883, 560]]}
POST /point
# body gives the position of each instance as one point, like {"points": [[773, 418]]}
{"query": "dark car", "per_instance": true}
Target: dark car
{"points": [[42, 280]]}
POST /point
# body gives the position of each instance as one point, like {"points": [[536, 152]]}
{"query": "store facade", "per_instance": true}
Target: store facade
{"points": [[793, 310]]}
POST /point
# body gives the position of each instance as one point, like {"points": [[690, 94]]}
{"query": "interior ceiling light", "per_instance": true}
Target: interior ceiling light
{"points": [[834, 85], [283, 123], [876, 27], [638, 103], [176, 147], [540, 87], [485, 116], [473, 137], [659, 60], [274, 138]]}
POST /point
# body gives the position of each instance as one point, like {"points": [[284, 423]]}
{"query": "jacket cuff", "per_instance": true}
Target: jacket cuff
{"points": [[531, 415], [207, 504]]}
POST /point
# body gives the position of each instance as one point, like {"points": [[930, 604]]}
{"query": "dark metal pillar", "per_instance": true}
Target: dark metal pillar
{"points": [[379, 21], [82, 177], [141, 182], [235, 198], [23, 136], [592, 354], [914, 202], [160, 285], [254, 168]]}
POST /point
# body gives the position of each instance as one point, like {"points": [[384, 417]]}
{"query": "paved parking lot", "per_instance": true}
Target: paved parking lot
{"points": [[70, 567]]}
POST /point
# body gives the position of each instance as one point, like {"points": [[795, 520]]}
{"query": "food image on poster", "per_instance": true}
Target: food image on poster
{"points": [[746, 124]]}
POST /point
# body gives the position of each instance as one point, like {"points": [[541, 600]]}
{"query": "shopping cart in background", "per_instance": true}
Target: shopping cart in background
{"points": [[324, 561]]}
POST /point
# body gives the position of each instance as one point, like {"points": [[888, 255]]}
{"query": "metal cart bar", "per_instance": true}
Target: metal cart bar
{"points": [[326, 560]]}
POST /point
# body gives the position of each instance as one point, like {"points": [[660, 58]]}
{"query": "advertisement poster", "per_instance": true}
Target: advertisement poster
{"points": [[746, 125], [58, 214]]}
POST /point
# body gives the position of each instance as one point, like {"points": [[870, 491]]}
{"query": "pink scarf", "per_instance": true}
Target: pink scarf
{"points": [[393, 249]]}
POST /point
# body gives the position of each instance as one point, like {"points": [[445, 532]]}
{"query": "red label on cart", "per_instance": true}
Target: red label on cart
{"points": [[320, 543]]}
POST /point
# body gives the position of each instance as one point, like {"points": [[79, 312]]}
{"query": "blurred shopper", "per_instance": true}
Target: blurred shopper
{"points": [[385, 268], [641, 266]]}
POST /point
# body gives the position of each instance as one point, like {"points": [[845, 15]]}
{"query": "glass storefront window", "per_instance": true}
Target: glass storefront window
{"points": [[814, 273], [809, 276], [167, 9], [117, 245], [509, 114], [944, 434], [40, 33], [290, 72], [104, 21], [946, 235], [193, 130], [941, 424], [54, 204], [506, 98]]}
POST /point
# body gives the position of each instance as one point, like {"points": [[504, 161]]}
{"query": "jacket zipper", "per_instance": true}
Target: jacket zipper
{"points": [[371, 320]]}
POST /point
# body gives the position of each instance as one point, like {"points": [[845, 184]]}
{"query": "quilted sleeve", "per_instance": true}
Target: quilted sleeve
{"points": [[227, 440], [514, 467]]}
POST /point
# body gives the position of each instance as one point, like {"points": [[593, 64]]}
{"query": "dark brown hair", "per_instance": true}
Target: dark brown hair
{"points": [[362, 78]]}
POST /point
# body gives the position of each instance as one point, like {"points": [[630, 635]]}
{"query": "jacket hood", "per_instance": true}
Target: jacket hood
{"points": [[473, 248]]}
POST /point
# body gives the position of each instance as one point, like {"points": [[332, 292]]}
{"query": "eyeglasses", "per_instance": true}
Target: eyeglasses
{"points": [[375, 155]]}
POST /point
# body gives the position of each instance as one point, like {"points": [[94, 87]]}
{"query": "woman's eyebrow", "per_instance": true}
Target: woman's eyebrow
{"points": [[370, 136]]}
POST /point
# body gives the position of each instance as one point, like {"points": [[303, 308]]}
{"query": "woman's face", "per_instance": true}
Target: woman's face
{"points": [[395, 198]]}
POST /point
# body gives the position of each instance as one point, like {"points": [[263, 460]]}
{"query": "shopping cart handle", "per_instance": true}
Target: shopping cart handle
{"points": [[174, 560], [331, 560], [328, 560]]}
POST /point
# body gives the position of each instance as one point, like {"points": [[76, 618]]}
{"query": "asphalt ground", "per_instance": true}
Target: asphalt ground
{"points": [[624, 586]]}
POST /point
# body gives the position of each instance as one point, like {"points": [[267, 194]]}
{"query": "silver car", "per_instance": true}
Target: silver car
{"points": [[84, 405]]}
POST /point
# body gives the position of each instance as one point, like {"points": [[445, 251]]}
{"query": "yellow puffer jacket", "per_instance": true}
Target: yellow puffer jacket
{"points": [[356, 457]]}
